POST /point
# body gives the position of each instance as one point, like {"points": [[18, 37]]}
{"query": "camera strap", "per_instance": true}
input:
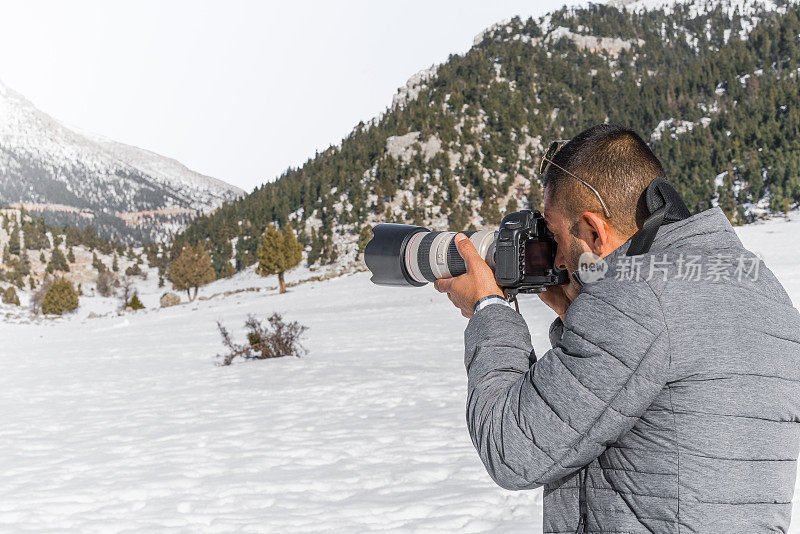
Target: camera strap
{"points": [[665, 206]]}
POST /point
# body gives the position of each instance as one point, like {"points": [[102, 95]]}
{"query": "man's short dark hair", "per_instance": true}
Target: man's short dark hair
{"points": [[616, 162]]}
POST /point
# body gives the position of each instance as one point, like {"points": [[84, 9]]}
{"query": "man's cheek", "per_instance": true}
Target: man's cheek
{"points": [[576, 248]]}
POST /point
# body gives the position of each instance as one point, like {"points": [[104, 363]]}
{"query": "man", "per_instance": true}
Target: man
{"points": [[670, 400]]}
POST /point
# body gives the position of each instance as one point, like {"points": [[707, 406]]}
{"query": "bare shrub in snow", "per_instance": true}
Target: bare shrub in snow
{"points": [[10, 296], [275, 340], [127, 291], [105, 283], [38, 295]]}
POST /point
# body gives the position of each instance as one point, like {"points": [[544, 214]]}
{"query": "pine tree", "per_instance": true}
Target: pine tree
{"points": [[73, 236], [60, 297], [58, 262], [13, 243], [70, 255], [98, 264], [512, 205], [115, 263], [315, 251], [191, 269], [363, 238], [278, 252], [135, 303], [490, 212], [24, 263], [459, 218], [727, 197], [535, 195]]}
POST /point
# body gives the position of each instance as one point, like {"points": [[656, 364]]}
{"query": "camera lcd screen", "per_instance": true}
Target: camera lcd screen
{"points": [[537, 257]]}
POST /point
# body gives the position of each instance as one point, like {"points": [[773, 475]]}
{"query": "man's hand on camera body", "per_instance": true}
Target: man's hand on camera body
{"points": [[560, 297], [466, 290]]}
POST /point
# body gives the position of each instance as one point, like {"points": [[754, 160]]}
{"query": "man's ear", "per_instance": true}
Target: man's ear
{"points": [[596, 233]]}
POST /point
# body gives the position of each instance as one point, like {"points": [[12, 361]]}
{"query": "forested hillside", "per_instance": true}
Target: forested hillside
{"points": [[714, 90]]}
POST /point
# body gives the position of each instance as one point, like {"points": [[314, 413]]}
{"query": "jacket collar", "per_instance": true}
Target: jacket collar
{"points": [[707, 231]]}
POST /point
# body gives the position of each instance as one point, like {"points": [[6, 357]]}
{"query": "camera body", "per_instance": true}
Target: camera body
{"points": [[521, 253], [524, 254]]}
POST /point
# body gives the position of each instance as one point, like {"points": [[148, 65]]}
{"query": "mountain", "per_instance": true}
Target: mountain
{"points": [[79, 178], [711, 84]]}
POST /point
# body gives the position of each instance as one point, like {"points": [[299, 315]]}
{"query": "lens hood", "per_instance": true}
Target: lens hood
{"points": [[385, 254]]}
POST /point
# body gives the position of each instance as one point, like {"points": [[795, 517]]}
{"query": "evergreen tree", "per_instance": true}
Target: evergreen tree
{"points": [[490, 212], [13, 242], [24, 263], [535, 195], [60, 297], [73, 236], [278, 252], [363, 238], [115, 263], [133, 270], [459, 218], [191, 269], [58, 262], [727, 197], [135, 303], [315, 251], [98, 264], [512, 206], [70, 255]]}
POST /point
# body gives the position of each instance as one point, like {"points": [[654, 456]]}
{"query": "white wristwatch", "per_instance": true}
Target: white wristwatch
{"points": [[488, 300]]}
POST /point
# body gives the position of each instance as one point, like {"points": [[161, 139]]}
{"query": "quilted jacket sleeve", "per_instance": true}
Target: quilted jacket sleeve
{"points": [[535, 421]]}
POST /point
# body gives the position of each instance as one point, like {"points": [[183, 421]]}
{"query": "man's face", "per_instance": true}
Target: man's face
{"points": [[570, 247]]}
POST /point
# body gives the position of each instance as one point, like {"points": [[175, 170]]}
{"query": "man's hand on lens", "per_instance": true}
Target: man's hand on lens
{"points": [[560, 297], [478, 282]]}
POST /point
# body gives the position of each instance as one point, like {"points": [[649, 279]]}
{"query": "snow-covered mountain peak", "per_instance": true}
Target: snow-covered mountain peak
{"points": [[53, 168]]}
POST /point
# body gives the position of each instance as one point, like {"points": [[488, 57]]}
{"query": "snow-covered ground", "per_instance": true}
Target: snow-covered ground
{"points": [[124, 423]]}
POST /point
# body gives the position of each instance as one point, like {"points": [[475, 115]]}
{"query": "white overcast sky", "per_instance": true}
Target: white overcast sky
{"points": [[238, 90]]}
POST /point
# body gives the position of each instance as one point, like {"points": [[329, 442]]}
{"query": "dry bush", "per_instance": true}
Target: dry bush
{"points": [[127, 291], [276, 340], [105, 283], [38, 295], [10, 296]]}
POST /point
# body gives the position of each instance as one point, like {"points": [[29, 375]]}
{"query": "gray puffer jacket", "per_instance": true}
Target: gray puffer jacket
{"points": [[669, 402]]}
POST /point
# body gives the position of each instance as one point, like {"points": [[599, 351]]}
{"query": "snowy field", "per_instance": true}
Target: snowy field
{"points": [[124, 423]]}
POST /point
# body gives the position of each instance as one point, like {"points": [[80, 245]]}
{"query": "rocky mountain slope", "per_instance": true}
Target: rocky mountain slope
{"points": [[79, 178]]}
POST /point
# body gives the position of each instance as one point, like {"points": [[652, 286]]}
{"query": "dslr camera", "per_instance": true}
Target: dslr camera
{"points": [[521, 253]]}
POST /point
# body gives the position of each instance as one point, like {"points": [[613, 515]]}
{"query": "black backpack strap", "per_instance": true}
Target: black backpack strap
{"points": [[665, 206]]}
